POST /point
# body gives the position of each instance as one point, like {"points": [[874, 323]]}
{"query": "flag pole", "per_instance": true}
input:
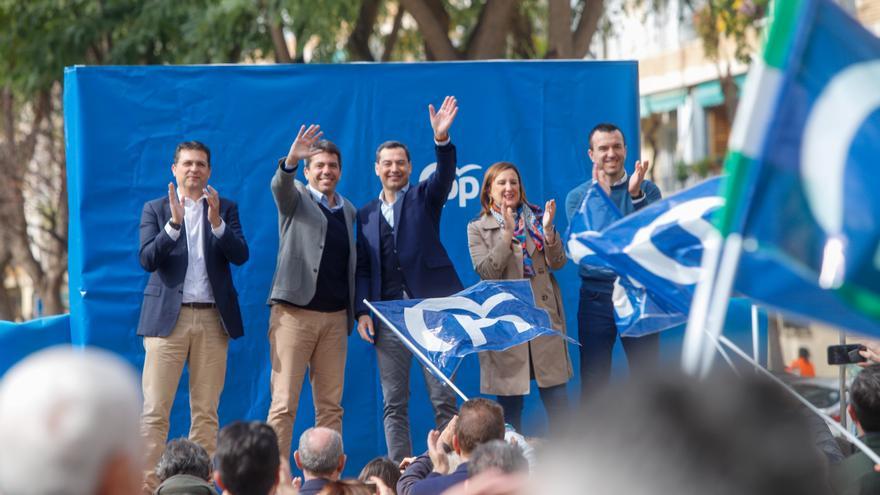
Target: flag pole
{"points": [[696, 326], [720, 298], [417, 352], [755, 328]]}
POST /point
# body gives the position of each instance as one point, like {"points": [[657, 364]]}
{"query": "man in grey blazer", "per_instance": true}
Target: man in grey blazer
{"points": [[313, 287]]}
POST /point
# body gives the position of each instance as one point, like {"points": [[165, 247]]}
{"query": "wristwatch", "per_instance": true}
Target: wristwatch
{"points": [[175, 226]]}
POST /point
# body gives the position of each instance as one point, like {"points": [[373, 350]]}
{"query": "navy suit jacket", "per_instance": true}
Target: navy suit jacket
{"points": [[426, 266], [166, 260]]}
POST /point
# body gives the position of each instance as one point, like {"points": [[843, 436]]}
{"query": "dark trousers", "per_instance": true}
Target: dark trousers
{"points": [[395, 361], [555, 401], [597, 333]]}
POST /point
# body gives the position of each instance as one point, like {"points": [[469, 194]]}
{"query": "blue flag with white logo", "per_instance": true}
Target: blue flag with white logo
{"points": [[804, 191], [492, 315], [655, 252]]}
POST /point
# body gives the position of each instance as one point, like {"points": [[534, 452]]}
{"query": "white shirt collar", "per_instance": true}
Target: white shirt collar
{"points": [[397, 197], [324, 200]]}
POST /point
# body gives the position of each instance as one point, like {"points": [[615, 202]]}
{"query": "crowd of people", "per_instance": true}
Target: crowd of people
{"points": [[69, 424], [69, 419]]}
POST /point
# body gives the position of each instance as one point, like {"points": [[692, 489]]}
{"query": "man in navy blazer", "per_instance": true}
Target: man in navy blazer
{"points": [[400, 255], [190, 310]]}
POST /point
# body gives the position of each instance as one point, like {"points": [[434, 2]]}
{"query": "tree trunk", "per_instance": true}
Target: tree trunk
{"points": [[391, 39], [359, 40], [50, 292], [523, 34], [9, 310], [586, 27], [279, 44], [559, 37], [489, 38], [434, 30]]}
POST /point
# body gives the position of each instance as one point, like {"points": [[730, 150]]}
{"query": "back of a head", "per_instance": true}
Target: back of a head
{"points": [[319, 450], [677, 435], [383, 468], [865, 397], [479, 421], [247, 458], [346, 487], [497, 454], [65, 413], [183, 456]]}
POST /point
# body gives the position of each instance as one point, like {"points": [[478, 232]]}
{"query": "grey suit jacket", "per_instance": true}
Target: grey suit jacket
{"points": [[302, 228]]}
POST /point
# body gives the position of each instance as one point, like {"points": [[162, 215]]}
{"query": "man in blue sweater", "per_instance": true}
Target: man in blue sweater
{"points": [[596, 328]]}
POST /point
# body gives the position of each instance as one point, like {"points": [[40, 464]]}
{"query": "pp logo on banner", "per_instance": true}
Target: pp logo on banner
{"points": [[465, 186]]}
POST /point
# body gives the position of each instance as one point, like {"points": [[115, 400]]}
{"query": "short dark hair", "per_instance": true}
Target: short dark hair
{"points": [[605, 127], [327, 147], [247, 458], [183, 456], [192, 145], [383, 468], [391, 145], [497, 454], [479, 420], [803, 352], [865, 396]]}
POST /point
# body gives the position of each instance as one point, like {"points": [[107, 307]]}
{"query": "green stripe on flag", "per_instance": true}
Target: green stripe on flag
{"points": [[736, 167], [785, 18], [867, 302]]}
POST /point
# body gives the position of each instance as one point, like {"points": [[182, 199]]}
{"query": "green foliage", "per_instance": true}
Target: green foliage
{"points": [[735, 19], [39, 38]]}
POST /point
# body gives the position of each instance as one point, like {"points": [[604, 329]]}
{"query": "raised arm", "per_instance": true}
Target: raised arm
{"points": [[440, 182], [283, 190]]}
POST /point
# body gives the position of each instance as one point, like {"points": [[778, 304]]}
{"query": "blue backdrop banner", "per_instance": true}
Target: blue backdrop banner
{"points": [[123, 123]]}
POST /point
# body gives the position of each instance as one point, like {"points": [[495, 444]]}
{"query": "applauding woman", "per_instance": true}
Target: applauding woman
{"points": [[512, 239]]}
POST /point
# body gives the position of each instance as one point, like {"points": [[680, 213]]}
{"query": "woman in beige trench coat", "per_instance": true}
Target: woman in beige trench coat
{"points": [[512, 239]]}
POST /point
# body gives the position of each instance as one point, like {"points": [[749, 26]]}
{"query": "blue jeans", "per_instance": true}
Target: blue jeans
{"points": [[597, 333]]}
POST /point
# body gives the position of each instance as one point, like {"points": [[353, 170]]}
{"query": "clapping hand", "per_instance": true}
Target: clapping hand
{"points": [[549, 215], [441, 120], [302, 146], [509, 222], [635, 182], [437, 453], [174, 204], [213, 206]]}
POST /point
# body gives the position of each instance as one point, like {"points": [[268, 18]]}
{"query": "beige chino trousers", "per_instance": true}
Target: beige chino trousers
{"points": [[300, 340], [198, 338]]}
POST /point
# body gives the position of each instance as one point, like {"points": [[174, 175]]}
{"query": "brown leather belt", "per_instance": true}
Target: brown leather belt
{"points": [[199, 305]]}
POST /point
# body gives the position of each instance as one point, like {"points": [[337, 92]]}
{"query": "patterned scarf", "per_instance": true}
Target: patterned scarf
{"points": [[526, 220]]}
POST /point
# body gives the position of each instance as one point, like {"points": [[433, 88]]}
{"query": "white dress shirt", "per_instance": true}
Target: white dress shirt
{"points": [[388, 208], [196, 286], [323, 200]]}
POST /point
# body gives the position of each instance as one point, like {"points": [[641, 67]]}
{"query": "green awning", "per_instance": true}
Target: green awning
{"points": [[662, 102], [709, 93]]}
